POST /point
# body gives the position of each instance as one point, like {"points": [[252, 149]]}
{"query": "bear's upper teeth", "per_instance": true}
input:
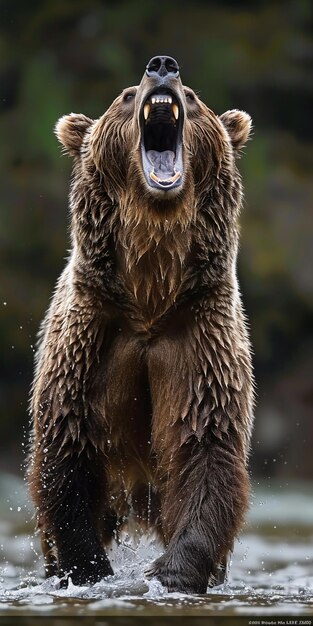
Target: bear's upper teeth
{"points": [[161, 99]]}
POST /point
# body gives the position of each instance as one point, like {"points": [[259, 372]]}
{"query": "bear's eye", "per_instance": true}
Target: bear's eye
{"points": [[190, 96], [129, 96]]}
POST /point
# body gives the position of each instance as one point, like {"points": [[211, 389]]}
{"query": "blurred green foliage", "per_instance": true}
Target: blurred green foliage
{"points": [[59, 56]]}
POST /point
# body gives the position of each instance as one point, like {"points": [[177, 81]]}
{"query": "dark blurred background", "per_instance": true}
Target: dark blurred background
{"points": [[59, 56]]}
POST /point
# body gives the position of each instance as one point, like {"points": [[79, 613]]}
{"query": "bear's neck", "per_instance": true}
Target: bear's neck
{"points": [[153, 262]]}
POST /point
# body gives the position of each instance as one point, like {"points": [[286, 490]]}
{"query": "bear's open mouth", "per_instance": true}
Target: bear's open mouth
{"points": [[161, 123]]}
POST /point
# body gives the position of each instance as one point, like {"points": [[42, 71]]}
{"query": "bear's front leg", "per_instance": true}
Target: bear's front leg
{"points": [[205, 496], [69, 494], [67, 463], [201, 387]]}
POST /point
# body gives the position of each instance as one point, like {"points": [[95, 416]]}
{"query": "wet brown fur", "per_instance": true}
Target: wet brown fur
{"points": [[142, 398]]}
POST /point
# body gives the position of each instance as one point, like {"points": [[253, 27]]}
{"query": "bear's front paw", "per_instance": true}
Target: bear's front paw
{"points": [[87, 571], [177, 576]]}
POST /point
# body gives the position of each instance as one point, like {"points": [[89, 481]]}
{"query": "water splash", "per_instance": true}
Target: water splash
{"points": [[271, 571]]}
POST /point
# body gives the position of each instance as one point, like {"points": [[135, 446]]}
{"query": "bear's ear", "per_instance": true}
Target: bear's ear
{"points": [[238, 125], [70, 131]]}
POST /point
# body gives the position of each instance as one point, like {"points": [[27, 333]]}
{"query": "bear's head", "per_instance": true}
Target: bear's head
{"points": [[157, 146]]}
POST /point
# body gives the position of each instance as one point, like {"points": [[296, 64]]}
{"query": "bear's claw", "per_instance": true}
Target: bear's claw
{"points": [[177, 579]]}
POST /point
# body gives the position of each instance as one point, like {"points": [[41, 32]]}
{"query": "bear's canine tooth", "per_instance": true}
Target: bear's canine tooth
{"points": [[146, 110], [175, 111]]}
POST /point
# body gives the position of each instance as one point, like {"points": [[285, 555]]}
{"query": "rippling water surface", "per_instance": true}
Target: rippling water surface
{"points": [[271, 571]]}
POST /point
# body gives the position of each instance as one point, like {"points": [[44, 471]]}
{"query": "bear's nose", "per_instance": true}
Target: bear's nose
{"points": [[162, 66]]}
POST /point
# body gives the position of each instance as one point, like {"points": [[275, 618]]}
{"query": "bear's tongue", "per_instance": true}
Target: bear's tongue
{"points": [[163, 163]]}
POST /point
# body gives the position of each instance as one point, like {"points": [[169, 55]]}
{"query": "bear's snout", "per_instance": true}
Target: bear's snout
{"points": [[162, 66]]}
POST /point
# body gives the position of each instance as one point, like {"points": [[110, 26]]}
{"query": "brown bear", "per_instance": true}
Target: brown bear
{"points": [[143, 391]]}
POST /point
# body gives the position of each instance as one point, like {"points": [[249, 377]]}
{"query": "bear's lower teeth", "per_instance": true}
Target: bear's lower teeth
{"points": [[165, 181]]}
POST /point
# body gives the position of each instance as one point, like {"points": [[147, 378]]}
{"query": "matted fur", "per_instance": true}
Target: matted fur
{"points": [[143, 393]]}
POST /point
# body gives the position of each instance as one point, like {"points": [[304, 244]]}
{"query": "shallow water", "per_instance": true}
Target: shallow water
{"points": [[271, 571]]}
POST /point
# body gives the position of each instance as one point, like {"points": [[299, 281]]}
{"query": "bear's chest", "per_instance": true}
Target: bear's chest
{"points": [[153, 270]]}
